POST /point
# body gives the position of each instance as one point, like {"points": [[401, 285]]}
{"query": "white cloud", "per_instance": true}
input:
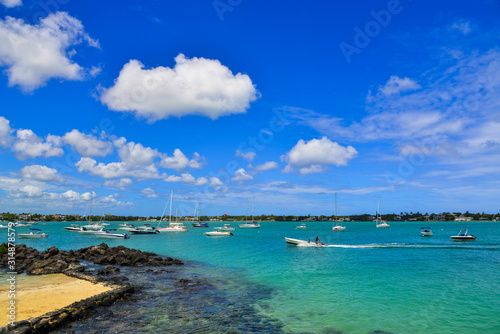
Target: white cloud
{"points": [[135, 154], [121, 183], [241, 175], [396, 85], [34, 54], [117, 169], [315, 155], [196, 86], [149, 193], [26, 191], [268, 165], [11, 3], [247, 156], [5, 132], [40, 173], [29, 145], [187, 179], [87, 145], [180, 162]]}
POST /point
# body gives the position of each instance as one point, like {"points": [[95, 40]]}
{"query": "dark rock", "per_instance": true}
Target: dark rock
{"points": [[109, 270]]}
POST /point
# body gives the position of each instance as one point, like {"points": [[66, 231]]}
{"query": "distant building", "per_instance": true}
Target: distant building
{"points": [[462, 218], [397, 218]]}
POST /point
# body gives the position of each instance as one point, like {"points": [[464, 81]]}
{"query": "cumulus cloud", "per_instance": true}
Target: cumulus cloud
{"points": [[180, 162], [117, 169], [247, 156], [40, 173], [87, 145], [241, 175], [11, 3], [316, 155], [29, 145], [196, 86], [34, 54], [135, 154], [5, 132], [187, 179], [462, 26]]}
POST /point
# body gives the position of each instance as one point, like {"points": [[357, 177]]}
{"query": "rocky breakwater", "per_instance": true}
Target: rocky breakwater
{"points": [[53, 260]]}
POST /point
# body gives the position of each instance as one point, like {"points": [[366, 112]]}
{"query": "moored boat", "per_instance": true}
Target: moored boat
{"points": [[227, 227], [379, 223], [302, 226], [109, 234], [36, 235], [73, 228], [463, 235], [218, 233], [146, 229], [426, 231]]}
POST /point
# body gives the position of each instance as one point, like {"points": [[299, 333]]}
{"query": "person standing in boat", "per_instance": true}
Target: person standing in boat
{"points": [[317, 240]]}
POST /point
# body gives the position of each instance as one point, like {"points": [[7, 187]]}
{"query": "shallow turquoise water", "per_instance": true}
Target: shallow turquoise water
{"points": [[390, 280]]}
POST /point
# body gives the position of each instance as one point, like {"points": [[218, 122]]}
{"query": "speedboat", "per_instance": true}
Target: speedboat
{"points": [[20, 224], [73, 228], [227, 227], [200, 224], [31, 235], [303, 243], [218, 233], [93, 226], [253, 224], [4, 227], [126, 227], [463, 235], [84, 230], [426, 231], [301, 227], [108, 234], [146, 229], [173, 227]]}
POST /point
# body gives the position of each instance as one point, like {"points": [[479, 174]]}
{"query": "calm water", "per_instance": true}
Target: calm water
{"points": [[387, 280]]}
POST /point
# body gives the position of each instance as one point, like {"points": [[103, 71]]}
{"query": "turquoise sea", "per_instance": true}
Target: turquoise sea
{"points": [[370, 281]]}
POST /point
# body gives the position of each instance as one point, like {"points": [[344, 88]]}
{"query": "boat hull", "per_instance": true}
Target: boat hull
{"points": [[112, 236], [33, 236], [463, 238], [218, 234], [303, 243], [338, 228]]}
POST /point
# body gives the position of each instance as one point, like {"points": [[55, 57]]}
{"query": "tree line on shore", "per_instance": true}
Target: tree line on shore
{"points": [[403, 216]]}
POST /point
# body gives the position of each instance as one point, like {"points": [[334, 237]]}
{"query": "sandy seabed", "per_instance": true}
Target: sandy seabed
{"points": [[37, 295]]}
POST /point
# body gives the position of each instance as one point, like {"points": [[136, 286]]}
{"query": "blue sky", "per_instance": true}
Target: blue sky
{"points": [[222, 101]]}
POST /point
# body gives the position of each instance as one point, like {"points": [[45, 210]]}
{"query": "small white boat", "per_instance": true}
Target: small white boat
{"points": [[303, 243], [126, 227], [4, 227], [73, 228], [37, 235], [227, 227], [379, 223], [218, 233], [93, 226], [426, 231], [173, 227], [463, 235], [84, 230], [253, 223], [108, 234], [337, 227], [20, 224], [146, 229], [301, 227]]}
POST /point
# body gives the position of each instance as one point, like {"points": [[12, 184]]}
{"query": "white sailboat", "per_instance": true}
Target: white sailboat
{"points": [[247, 224], [379, 223], [337, 227], [172, 227]]}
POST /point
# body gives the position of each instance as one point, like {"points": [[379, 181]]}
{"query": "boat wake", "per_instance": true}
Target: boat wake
{"points": [[403, 245]]}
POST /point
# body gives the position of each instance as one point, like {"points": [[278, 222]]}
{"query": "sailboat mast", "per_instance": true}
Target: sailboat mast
{"points": [[252, 210], [170, 215], [336, 216], [246, 212], [90, 211]]}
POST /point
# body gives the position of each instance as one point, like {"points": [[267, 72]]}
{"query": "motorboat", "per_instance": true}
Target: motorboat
{"points": [[227, 227], [109, 234], [85, 230], [34, 234], [426, 231], [126, 227], [4, 227], [218, 233], [463, 235], [173, 227], [93, 226], [303, 243], [74, 228], [301, 227], [200, 224], [19, 224], [146, 229]]}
